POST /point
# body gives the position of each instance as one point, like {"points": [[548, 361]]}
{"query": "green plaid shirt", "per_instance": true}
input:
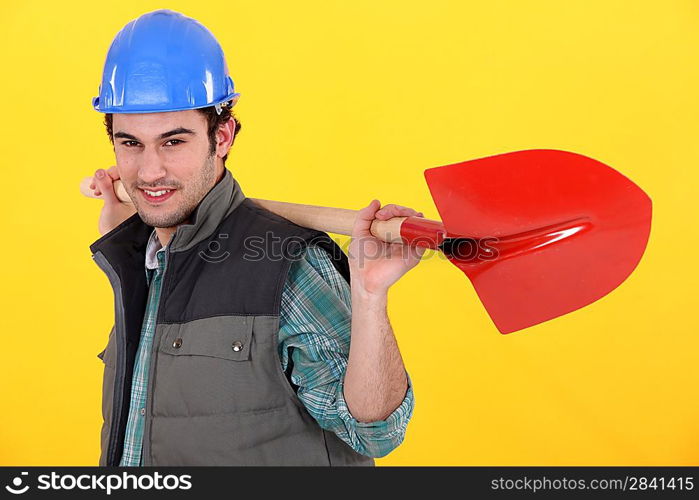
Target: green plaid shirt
{"points": [[315, 325]]}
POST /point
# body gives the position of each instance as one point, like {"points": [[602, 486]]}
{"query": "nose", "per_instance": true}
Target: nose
{"points": [[151, 167]]}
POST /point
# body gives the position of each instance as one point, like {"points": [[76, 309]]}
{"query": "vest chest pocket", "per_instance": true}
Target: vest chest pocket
{"points": [[225, 337], [212, 366]]}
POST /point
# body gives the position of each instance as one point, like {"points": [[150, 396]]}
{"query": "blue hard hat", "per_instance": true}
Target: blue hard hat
{"points": [[164, 61]]}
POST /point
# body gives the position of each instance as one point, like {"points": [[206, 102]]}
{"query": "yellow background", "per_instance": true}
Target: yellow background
{"points": [[346, 101]]}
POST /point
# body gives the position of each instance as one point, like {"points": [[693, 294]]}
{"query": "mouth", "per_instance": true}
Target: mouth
{"points": [[157, 196]]}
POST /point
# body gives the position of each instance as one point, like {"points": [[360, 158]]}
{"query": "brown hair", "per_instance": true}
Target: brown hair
{"points": [[213, 119]]}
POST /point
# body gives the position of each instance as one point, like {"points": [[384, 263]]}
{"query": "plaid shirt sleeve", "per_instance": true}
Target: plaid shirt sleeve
{"points": [[315, 327]]}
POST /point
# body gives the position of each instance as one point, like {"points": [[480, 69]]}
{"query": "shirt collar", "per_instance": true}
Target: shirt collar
{"points": [[153, 247]]}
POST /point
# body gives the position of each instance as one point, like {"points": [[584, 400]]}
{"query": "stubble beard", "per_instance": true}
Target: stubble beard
{"points": [[189, 199]]}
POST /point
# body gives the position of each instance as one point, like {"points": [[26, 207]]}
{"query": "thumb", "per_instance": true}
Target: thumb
{"points": [[362, 224]]}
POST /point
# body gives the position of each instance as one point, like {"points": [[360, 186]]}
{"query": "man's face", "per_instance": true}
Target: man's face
{"points": [[164, 163]]}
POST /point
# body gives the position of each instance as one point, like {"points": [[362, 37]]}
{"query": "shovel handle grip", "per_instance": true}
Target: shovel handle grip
{"points": [[328, 219]]}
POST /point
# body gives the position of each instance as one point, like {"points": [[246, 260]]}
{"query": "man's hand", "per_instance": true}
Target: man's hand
{"points": [[375, 382], [374, 264], [114, 211]]}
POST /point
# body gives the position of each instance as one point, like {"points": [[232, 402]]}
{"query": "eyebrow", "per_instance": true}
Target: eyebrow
{"points": [[165, 135]]}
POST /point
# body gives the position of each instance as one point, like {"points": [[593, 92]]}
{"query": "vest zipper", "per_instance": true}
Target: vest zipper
{"points": [[145, 460]]}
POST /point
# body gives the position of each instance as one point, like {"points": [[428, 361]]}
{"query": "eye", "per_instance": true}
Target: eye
{"points": [[129, 144], [177, 141]]}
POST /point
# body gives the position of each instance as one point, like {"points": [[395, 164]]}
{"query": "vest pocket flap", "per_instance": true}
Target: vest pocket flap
{"points": [[108, 350], [226, 337]]}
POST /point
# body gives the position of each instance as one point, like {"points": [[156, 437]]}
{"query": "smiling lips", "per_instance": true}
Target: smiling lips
{"points": [[157, 196]]}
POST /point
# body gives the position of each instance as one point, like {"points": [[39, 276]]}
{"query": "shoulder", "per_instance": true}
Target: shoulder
{"points": [[252, 215], [315, 274]]}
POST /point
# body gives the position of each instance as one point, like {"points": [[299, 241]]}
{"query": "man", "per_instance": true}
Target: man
{"points": [[219, 356]]}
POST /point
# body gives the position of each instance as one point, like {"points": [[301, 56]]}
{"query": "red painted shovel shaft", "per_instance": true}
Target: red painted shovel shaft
{"points": [[422, 232]]}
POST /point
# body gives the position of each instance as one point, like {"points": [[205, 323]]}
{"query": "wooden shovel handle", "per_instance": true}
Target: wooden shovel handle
{"points": [[332, 220], [327, 219]]}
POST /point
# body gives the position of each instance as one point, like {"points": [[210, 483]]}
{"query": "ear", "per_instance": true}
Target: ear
{"points": [[224, 138]]}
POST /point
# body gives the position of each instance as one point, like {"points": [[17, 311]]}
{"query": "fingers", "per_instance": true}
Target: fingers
{"points": [[362, 224], [113, 173], [365, 217], [393, 210], [104, 186]]}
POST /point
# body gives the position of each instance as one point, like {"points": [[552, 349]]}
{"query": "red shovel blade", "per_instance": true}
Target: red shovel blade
{"points": [[555, 230]]}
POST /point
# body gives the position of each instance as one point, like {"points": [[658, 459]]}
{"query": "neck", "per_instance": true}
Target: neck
{"points": [[165, 233]]}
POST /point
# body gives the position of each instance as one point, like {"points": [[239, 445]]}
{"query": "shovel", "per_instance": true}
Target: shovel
{"points": [[539, 233]]}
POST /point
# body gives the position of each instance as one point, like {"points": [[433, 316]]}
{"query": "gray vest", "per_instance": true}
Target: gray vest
{"points": [[217, 394]]}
